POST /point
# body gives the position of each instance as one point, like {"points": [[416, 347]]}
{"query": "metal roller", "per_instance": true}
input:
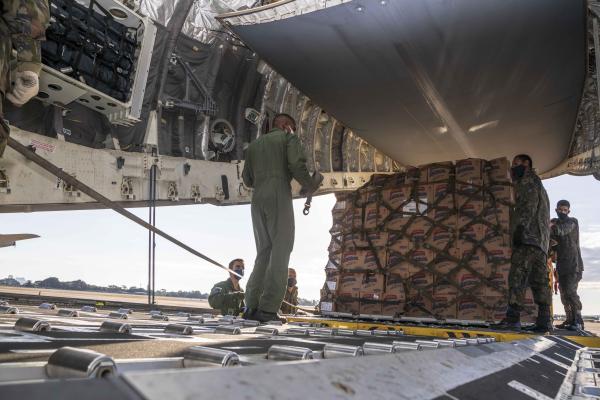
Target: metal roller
{"points": [[25, 324], [428, 344], [345, 332], [371, 348], [224, 321], [228, 329], [363, 332], [334, 350], [88, 309], [199, 356], [115, 327], [324, 332], [47, 306], [8, 310], [183, 314], [155, 312], [381, 332], [65, 312], [196, 318], [160, 317], [482, 340], [117, 315], [297, 331], [69, 362], [250, 322], [288, 353], [265, 330], [491, 339], [460, 342], [179, 329], [445, 343], [399, 346], [276, 322], [472, 341], [125, 311]]}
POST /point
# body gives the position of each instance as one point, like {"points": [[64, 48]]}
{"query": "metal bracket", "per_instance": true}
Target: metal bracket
{"points": [[172, 193], [127, 188], [195, 193]]}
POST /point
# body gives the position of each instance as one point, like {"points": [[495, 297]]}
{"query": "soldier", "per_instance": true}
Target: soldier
{"points": [[569, 265], [228, 296], [22, 27], [530, 236], [291, 294], [272, 161]]}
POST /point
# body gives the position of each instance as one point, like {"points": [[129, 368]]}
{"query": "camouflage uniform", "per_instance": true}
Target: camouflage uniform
{"points": [[226, 298], [569, 264], [272, 161], [291, 296], [531, 236], [22, 27]]}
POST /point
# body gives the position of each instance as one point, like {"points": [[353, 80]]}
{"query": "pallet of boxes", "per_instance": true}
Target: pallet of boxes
{"points": [[432, 242]]}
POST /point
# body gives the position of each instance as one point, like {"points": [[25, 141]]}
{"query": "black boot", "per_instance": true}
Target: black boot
{"points": [[512, 321], [543, 322], [577, 324], [264, 317], [250, 314]]}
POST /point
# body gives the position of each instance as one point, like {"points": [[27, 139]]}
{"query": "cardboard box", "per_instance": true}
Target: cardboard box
{"points": [[468, 308], [494, 239], [445, 286], [476, 260], [438, 172], [500, 192], [348, 307], [498, 280], [363, 260], [442, 264], [445, 216], [372, 286], [468, 281], [421, 257], [469, 210], [498, 216], [368, 307], [350, 285], [397, 221], [444, 307], [418, 229], [497, 170], [496, 308], [395, 286], [413, 174], [419, 279], [396, 196], [498, 255], [371, 216], [469, 169], [397, 265], [393, 308], [442, 195], [419, 304], [398, 243], [440, 237]]}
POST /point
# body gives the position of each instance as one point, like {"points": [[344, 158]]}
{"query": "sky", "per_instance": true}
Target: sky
{"points": [[103, 248]]}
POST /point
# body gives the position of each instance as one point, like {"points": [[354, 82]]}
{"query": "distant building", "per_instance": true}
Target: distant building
{"points": [[21, 281]]}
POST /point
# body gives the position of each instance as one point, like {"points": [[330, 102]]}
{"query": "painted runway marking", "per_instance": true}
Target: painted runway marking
{"points": [[450, 396], [566, 358], [532, 360], [567, 343], [552, 360], [526, 390], [560, 373]]}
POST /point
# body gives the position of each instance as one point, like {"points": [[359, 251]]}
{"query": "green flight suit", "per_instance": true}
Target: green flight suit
{"points": [[272, 161], [22, 28], [225, 298]]}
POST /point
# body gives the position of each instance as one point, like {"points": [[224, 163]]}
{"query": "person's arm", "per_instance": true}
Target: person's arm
{"points": [[295, 296], [247, 175], [527, 200], [27, 21], [297, 162]]}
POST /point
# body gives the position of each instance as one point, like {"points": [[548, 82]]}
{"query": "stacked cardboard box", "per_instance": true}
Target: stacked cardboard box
{"points": [[430, 242]]}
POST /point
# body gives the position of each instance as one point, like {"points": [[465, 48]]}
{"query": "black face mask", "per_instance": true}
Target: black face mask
{"points": [[518, 171], [291, 282], [562, 216], [239, 271]]}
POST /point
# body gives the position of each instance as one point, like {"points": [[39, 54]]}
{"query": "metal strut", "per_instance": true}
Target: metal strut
{"points": [[77, 184]]}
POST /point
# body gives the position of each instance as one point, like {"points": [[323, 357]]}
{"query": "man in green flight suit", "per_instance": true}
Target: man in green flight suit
{"points": [[22, 28], [228, 296], [272, 161]]}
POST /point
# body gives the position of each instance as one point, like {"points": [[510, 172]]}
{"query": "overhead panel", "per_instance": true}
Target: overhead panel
{"points": [[433, 80]]}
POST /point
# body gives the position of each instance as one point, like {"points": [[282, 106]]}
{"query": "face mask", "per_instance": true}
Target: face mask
{"points": [[291, 282], [518, 171], [239, 271], [561, 215]]}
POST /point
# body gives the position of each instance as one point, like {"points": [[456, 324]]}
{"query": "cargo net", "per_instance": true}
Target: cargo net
{"points": [[89, 45], [431, 243]]}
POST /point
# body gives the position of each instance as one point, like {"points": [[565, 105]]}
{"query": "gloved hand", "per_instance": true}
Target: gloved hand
{"points": [[25, 87], [317, 180]]}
